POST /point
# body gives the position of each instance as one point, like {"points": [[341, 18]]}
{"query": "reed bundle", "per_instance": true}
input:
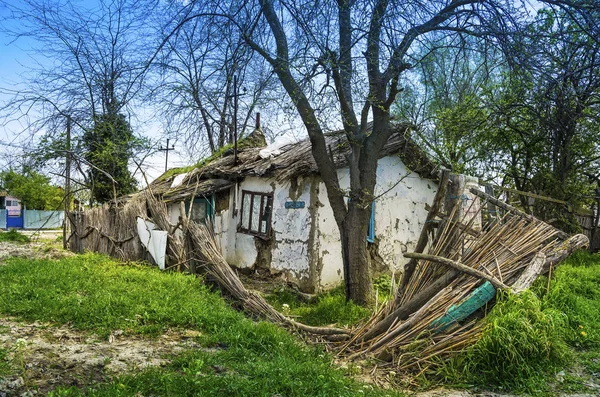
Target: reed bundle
{"points": [[420, 326]]}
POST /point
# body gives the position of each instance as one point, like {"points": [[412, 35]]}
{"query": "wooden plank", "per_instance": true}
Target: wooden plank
{"points": [[473, 302], [458, 266], [530, 274]]}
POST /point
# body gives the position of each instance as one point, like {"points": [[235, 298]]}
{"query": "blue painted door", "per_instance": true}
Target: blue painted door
{"points": [[14, 220]]}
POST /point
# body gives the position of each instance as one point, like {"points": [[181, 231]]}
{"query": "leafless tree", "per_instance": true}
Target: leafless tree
{"points": [[87, 62], [199, 68]]}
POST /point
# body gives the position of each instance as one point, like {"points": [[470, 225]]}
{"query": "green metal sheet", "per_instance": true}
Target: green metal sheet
{"points": [[476, 300]]}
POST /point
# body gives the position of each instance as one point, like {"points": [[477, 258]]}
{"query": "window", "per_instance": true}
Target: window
{"points": [[201, 210], [12, 203], [256, 213]]}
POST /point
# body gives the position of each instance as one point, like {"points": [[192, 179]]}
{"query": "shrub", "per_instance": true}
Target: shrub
{"points": [[520, 345]]}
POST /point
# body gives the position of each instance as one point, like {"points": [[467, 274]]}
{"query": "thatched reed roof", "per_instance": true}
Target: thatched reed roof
{"points": [[295, 159]]}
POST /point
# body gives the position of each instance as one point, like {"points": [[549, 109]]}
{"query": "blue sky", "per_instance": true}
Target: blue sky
{"points": [[16, 56]]}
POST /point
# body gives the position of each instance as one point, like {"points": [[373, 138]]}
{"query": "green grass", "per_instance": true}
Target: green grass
{"points": [[521, 346], [528, 338], [327, 308], [94, 293], [575, 291], [5, 366], [14, 237]]}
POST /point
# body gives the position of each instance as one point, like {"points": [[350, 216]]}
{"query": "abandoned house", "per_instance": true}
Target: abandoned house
{"points": [[270, 211]]}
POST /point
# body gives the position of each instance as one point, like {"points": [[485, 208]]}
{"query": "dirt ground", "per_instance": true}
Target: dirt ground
{"points": [[47, 356], [31, 251]]}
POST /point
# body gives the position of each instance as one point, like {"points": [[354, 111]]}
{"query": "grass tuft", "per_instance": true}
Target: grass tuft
{"points": [[327, 308], [575, 291], [14, 237]]}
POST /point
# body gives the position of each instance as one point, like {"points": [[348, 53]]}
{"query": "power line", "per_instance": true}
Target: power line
{"points": [[11, 145]]}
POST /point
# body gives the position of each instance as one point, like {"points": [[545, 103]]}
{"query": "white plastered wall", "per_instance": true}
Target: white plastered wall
{"points": [[291, 228], [399, 216]]}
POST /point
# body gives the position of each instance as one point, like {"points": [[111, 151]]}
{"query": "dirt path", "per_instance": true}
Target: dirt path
{"points": [[46, 356], [31, 251]]}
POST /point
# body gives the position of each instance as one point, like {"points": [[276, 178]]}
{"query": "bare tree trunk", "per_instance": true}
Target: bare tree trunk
{"points": [[360, 287]]}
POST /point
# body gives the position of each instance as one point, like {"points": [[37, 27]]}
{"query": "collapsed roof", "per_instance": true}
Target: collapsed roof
{"points": [[289, 161]]}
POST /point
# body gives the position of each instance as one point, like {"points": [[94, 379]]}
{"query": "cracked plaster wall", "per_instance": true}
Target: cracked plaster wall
{"points": [[399, 216]]}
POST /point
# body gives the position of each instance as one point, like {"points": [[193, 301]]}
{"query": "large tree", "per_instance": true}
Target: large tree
{"points": [[546, 116], [353, 52]]}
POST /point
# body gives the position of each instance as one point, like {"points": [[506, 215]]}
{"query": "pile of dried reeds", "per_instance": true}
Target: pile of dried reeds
{"points": [[436, 310]]}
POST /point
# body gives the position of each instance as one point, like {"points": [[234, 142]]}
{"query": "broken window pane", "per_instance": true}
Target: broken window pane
{"points": [[266, 216], [199, 211], [256, 213]]}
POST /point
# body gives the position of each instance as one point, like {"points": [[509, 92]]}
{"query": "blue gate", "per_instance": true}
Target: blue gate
{"points": [[14, 219]]}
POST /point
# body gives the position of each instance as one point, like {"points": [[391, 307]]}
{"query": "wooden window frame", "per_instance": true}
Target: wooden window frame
{"points": [[209, 207], [263, 202]]}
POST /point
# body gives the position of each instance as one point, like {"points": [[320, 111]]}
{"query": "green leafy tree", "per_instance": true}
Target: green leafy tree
{"points": [[33, 189], [110, 145], [545, 118], [447, 101]]}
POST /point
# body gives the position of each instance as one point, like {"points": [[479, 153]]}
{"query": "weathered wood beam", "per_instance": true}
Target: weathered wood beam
{"points": [[530, 274], [458, 266], [566, 248]]}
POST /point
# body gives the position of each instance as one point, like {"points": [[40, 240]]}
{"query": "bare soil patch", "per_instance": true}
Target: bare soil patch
{"points": [[44, 356], [31, 251]]}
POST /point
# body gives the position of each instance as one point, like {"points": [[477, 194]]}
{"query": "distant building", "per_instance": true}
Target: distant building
{"points": [[12, 205]]}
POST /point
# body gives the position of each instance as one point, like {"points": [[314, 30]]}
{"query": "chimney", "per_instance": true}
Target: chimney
{"points": [[257, 120]]}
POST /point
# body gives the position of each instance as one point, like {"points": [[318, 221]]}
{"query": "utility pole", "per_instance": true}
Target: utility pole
{"points": [[166, 150], [67, 183], [236, 94], [235, 115]]}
